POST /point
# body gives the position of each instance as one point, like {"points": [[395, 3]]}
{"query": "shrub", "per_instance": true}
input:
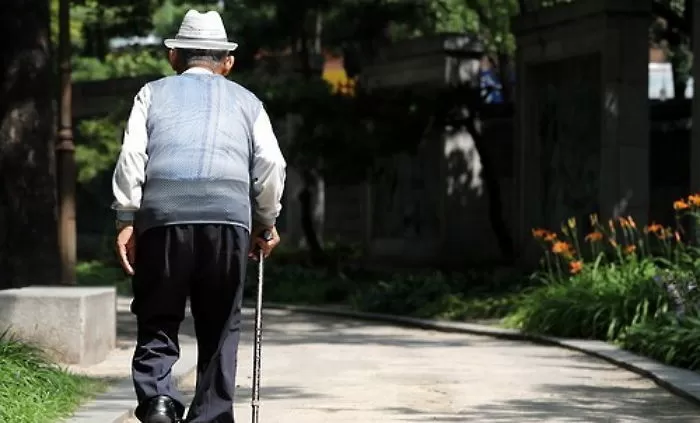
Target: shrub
{"points": [[597, 303], [669, 339], [293, 283], [455, 296], [414, 295], [622, 284]]}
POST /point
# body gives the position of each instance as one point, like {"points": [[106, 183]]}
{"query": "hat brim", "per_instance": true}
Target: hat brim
{"points": [[200, 44]]}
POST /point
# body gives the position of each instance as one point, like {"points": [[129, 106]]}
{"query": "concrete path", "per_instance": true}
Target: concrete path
{"points": [[322, 370]]}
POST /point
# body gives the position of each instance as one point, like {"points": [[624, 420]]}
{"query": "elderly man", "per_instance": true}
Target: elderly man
{"points": [[197, 148]]}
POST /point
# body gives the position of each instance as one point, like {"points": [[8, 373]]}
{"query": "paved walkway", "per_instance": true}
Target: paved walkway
{"points": [[321, 370]]}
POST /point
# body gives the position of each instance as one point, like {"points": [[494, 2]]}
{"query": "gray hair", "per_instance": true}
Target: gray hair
{"points": [[192, 57]]}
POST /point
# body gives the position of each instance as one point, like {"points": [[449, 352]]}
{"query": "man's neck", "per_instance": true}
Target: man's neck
{"points": [[199, 69]]}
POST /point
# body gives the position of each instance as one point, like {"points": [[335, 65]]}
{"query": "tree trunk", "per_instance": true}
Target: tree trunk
{"points": [[493, 187], [311, 198], [504, 73], [28, 246], [470, 97]]}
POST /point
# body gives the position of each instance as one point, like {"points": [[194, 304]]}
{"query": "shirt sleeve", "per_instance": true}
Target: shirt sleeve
{"points": [[269, 172], [130, 170]]}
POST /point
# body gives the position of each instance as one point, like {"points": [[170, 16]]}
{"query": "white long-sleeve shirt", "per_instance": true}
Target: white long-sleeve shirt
{"points": [[268, 168]]}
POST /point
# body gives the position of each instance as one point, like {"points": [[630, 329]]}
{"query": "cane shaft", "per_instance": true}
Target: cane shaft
{"points": [[257, 347]]}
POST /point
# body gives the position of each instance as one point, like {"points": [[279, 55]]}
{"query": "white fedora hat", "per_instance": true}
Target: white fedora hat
{"points": [[201, 31]]}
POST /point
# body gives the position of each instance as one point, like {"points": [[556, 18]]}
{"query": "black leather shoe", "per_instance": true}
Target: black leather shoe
{"points": [[161, 409]]}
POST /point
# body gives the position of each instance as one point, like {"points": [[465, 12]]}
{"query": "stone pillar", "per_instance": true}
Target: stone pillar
{"points": [[582, 114], [695, 137], [524, 156], [624, 173]]}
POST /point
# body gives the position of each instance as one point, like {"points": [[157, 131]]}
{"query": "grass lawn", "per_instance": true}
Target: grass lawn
{"points": [[33, 390]]}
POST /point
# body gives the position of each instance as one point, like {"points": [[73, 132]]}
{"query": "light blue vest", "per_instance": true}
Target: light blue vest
{"points": [[200, 134]]}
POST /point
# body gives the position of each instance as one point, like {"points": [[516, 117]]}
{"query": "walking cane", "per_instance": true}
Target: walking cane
{"points": [[257, 344]]}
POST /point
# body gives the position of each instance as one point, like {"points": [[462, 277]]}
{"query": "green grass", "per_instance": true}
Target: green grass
{"points": [[33, 390], [99, 273]]}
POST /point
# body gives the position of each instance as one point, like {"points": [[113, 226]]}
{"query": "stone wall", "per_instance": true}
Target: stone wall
{"points": [[567, 125], [431, 206]]}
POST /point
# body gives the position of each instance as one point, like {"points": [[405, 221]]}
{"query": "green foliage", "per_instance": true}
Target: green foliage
{"points": [[98, 147], [455, 16], [412, 295], [121, 65], [669, 339], [303, 285], [104, 273], [358, 27], [597, 303], [98, 142], [488, 18], [167, 17], [75, 25], [456, 296], [32, 390], [103, 19]]}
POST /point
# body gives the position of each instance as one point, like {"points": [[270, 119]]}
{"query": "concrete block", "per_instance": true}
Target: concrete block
{"points": [[73, 325]]}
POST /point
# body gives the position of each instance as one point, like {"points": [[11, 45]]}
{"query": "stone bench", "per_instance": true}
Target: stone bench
{"points": [[72, 325]]}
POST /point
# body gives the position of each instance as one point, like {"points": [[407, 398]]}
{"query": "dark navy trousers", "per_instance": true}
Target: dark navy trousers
{"points": [[206, 263]]}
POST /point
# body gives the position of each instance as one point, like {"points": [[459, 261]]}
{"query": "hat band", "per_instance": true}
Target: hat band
{"points": [[180, 37]]}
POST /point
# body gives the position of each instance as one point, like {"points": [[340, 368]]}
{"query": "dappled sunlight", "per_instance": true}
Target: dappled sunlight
{"points": [[463, 164]]}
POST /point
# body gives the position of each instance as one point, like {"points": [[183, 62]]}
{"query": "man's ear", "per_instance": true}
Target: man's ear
{"points": [[227, 65], [173, 59]]}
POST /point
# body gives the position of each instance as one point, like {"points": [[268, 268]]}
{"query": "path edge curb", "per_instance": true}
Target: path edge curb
{"points": [[184, 368], [89, 410], [178, 379], [642, 366]]}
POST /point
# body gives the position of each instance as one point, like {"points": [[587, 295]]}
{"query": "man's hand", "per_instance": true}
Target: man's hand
{"points": [[126, 248], [258, 243]]}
